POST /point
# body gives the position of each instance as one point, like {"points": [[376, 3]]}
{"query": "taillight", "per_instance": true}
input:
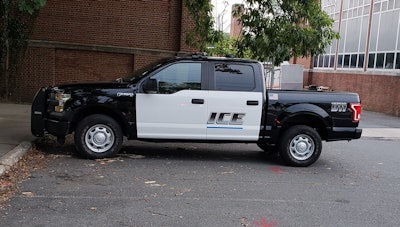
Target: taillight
{"points": [[356, 109]]}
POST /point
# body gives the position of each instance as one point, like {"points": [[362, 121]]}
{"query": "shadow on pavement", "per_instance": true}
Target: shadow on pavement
{"points": [[239, 153]]}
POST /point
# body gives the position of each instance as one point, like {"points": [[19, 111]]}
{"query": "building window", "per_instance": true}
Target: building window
{"points": [[389, 63], [379, 60], [320, 61], [346, 61], [353, 61], [332, 61], [315, 64], [340, 61], [326, 61], [371, 61], [361, 61], [384, 41]]}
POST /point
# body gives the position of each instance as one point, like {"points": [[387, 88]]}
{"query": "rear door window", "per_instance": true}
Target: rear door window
{"points": [[234, 77]]}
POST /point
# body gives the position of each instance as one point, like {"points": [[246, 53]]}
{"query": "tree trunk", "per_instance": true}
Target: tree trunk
{"points": [[7, 69], [6, 47]]}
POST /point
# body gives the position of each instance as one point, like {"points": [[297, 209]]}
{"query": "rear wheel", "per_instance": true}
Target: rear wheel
{"points": [[300, 146], [98, 136]]}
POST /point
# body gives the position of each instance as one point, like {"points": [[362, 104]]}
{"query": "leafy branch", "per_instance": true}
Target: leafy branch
{"points": [[17, 19], [276, 31], [202, 32]]}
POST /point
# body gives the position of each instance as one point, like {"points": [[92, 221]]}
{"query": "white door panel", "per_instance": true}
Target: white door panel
{"points": [[172, 116], [234, 115]]}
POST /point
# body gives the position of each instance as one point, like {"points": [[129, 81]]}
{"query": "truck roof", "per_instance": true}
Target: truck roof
{"points": [[204, 57]]}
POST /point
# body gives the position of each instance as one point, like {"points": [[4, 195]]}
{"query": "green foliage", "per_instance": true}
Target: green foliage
{"points": [[16, 25], [30, 6], [203, 36], [202, 33], [226, 46], [276, 30]]}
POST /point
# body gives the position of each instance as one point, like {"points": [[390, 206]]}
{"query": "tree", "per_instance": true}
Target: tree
{"points": [[16, 25], [277, 30], [203, 32], [222, 44], [226, 46]]}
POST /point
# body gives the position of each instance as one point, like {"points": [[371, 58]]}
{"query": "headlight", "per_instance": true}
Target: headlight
{"points": [[62, 98]]}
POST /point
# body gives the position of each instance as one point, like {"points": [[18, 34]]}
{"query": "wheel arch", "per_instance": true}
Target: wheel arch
{"points": [[305, 114], [90, 110]]}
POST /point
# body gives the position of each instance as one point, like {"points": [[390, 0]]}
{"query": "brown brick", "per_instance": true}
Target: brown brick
{"points": [[79, 66], [377, 92], [154, 29]]}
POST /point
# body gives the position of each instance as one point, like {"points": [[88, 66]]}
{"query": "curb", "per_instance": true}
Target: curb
{"points": [[13, 156]]}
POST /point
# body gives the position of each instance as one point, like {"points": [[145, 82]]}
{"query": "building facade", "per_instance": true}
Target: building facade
{"points": [[366, 58], [235, 27], [100, 40]]}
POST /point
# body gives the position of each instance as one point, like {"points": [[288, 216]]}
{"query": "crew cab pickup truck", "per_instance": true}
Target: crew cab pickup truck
{"points": [[196, 99]]}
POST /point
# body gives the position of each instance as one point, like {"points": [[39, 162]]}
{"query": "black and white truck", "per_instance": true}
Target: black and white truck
{"points": [[196, 99]]}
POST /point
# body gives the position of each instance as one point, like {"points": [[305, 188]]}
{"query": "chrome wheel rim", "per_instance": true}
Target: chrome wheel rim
{"points": [[99, 138], [302, 147]]}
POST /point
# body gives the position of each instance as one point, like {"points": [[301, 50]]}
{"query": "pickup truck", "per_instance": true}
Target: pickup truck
{"points": [[196, 99]]}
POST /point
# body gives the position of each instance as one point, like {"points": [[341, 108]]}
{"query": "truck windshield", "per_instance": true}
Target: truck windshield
{"points": [[142, 72]]}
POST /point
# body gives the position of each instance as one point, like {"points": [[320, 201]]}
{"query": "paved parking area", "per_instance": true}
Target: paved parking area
{"points": [[154, 184]]}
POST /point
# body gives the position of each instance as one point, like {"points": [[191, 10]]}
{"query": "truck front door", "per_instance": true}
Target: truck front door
{"points": [[178, 110]]}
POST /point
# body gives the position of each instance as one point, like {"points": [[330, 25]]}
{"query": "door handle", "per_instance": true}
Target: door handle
{"points": [[252, 103], [197, 101]]}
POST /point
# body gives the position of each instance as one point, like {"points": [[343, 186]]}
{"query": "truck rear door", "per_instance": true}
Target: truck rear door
{"points": [[235, 102]]}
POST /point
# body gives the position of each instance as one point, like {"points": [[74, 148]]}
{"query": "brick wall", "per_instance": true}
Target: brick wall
{"points": [[186, 25], [380, 93], [306, 62], [143, 60], [151, 24], [38, 71], [79, 66], [236, 26], [93, 40]]}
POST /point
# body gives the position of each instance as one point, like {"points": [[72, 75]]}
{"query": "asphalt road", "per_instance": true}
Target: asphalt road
{"points": [[354, 183]]}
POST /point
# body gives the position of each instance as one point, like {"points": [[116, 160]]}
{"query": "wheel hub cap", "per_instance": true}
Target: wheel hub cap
{"points": [[99, 138], [302, 147]]}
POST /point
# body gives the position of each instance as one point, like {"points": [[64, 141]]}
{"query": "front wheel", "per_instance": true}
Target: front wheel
{"points": [[98, 136], [300, 146]]}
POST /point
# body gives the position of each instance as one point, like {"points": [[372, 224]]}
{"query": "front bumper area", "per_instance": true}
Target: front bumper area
{"points": [[40, 123], [37, 113], [53, 127], [57, 128]]}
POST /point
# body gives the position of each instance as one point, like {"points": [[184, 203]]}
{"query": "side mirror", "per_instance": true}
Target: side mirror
{"points": [[150, 86]]}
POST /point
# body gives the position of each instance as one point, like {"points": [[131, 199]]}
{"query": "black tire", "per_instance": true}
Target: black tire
{"points": [[300, 146], [98, 136]]}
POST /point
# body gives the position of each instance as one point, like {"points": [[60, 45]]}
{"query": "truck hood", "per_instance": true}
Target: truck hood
{"points": [[94, 85]]}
